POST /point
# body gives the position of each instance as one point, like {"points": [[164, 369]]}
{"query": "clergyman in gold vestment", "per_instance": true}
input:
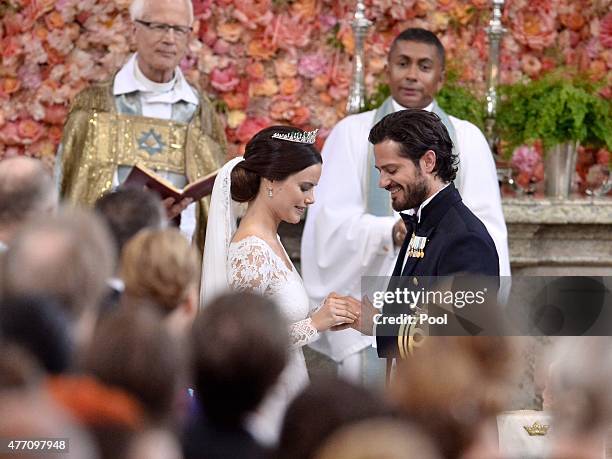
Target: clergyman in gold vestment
{"points": [[147, 113]]}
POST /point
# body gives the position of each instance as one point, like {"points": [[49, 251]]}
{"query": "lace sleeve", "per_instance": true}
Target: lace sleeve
{"points": [[302, 333], [250, 268]]}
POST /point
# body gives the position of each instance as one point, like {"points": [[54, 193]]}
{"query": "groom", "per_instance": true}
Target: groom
{"points": [[414, 155]]}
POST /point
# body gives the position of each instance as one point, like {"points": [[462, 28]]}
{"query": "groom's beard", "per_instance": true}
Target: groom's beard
{"points": [[412, 195]]}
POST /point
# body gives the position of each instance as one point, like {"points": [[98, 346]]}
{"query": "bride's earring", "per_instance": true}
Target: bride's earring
{"points": [[269, 192]]}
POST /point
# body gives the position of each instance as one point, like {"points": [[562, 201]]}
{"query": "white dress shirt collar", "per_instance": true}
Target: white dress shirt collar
{"points": [[130, 79], [397, 107]]}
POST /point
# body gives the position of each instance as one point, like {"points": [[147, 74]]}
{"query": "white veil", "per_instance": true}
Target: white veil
{"points": [[221, 226]]}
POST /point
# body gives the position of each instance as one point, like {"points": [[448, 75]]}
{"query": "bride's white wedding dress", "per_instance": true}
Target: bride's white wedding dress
{"points": [[254, 266]]}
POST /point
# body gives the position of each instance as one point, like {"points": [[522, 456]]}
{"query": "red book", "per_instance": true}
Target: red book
{"points": [[141, 176]]}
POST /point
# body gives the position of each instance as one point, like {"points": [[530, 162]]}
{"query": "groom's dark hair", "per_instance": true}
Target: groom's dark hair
{"points": [[271, 158], [416, 132]]}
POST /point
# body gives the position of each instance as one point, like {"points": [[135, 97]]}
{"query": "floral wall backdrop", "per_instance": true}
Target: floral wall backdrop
{"points": [[274, 61]]}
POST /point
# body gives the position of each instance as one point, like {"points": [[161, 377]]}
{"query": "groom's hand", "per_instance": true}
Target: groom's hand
{"points": [[365, 323]]}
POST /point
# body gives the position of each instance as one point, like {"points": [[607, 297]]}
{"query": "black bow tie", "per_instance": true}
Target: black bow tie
{"points": [[411, 222]]}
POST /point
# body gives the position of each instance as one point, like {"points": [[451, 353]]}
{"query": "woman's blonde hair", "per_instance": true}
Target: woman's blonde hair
{"points": [[159, 265]]}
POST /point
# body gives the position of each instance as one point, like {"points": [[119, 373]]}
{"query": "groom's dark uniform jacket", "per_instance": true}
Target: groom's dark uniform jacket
{"points": [[457, 242]]}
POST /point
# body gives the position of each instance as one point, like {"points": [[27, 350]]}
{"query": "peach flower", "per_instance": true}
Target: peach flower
{"points": [[281, 110], [531, 65], [54, 20], [9, 85], [29, 130], [321, 82], [573, 21], [263, 49], [55, 134], [235, 118], [301, 116], [290, 86], [265, 88], [230, 31], [305, 8], [290, 32], [236, 101], [285, 68], [253, 12]]}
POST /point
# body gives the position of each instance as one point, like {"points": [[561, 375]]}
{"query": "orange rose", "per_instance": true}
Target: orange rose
{"points": [[325, 98], [236, 101], [347, 39], [320, 82], [54, 20], [10, 85], [255, 70], [285, 68], [300, 116], [305, 8], [29, 130], [230, 31], [55, 134], [598, 69], [41, 33], [290, 86], [573, 21], [261, 49]]}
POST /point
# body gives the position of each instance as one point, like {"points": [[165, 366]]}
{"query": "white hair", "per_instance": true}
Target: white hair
{"points": [[137, 9]]}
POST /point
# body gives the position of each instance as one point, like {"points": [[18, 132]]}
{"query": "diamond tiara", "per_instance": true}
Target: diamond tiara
{"points": [[298, 137]]}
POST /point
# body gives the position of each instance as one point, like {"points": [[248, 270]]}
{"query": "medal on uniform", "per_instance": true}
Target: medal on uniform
{"points": [[416, 246]]}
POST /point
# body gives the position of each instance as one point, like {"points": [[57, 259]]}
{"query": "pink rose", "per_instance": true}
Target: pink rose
{"points": [[30, 76], [55, 114], [312, 65], [224, 80], [289, 32], [9, 134], [531, 65], [605, 31], [250, 127], [526, 158], [29, 130]]}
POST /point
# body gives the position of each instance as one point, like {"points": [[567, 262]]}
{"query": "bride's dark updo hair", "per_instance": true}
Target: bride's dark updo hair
{"points": [[273, 159]]}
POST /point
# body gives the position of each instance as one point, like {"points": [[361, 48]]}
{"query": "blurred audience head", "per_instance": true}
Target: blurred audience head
{"points": [[132, 349], [40, 327], [26, 190], [240, 347], [324, 406], [66, 257], [579, 397], [451, 387], [162, 267], [377, 439], [129, 210]]}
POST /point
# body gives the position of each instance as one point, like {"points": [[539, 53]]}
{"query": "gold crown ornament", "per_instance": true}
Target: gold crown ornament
{"points": [[537, 429]]}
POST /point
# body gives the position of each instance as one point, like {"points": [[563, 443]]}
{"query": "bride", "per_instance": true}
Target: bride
{"points": [[276, 177]]}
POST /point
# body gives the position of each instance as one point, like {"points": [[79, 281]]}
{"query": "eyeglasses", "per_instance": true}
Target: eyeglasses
{"points": [[160, 29]]}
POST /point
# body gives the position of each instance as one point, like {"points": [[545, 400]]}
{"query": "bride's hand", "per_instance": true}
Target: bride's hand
{"points": [[336, 310]]}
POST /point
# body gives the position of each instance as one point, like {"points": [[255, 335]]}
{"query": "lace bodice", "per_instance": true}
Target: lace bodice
{"points": [[253, 265]]}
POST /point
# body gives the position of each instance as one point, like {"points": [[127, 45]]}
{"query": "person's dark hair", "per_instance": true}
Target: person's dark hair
{"points": [[240, 347], [127, 211], [338, 403], [419, 35], [273, 159], [417, 131], [39, 326], [133, 350]]}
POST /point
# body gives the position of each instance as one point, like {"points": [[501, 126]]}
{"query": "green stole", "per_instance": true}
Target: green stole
{"points": [[378, 199]]}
